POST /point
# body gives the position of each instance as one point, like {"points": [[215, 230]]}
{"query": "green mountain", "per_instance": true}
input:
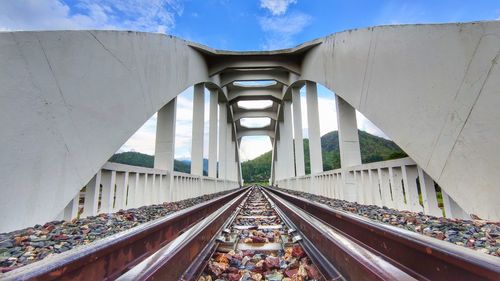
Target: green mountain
{"points": [[373, 149], [145, 160]]}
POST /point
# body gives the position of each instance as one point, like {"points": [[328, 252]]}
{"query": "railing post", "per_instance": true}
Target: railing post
{"points": [[121, 190], [360, 184], [410, 175], [132, 186], [108, 191], [349, 187], [366, 187], [428, 194], [141, 190], [397, 188], [92, 191], [377, 182], [383, 174]]}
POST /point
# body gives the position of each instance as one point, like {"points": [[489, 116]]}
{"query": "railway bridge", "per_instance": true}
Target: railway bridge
{"points": [[70, 99]]}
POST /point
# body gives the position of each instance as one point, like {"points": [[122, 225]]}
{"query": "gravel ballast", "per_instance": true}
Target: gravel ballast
{"points": [[22, 247], [480, 235]]}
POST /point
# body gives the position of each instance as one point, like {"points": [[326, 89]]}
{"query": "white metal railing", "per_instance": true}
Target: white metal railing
{"points": [[119, 186], [397, 184]]}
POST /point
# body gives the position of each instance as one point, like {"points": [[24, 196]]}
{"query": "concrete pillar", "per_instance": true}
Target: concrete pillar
{"points": [[223, 128], [287, 140], [350, 153], [165, 136], [230, 153], [277, 157], [198, 127], [313, 128], [238, 162], [108, 179], [212, 138], [297, 132], [272, 176], [92, 190]]}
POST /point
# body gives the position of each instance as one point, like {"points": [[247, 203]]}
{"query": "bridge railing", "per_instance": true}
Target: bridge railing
{"points": [[400, 184], [119, 186]]}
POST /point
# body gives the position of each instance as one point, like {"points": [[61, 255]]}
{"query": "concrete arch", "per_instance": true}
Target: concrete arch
{"points": [[434, 89], [80, 96]]}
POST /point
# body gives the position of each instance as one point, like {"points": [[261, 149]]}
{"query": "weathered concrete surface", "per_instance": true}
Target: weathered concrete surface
{"points": [[69, 100], [433, 89]]}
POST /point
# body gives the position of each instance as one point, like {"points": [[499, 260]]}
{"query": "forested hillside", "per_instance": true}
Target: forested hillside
{"points": [[373, 149], [145, 160]]}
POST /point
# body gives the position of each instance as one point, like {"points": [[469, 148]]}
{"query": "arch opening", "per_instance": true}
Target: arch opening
{"points": [[255, 104]]}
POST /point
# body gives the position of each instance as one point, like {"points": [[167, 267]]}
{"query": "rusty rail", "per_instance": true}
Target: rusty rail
{"points": [[421, 257], [353, 261], [171, 261], [110, 257]]}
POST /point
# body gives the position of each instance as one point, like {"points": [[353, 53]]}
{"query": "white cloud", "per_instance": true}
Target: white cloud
{"points": [[141, 15], [276, 7], [255, 122], [252, 147], [280, 30]]}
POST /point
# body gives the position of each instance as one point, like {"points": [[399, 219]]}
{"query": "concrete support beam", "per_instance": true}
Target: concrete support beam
{"points": [[230, 155], [198, 130], [350, 153], [255, 113], [297, 132], [223, 128], [71, 210], [287, 140], [212, 137], [255, 132], [165, 136], [451, 208], [313, 127]]}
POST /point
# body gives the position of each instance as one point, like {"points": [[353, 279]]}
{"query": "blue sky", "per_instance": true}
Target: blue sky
{"points": [[236, 25]]}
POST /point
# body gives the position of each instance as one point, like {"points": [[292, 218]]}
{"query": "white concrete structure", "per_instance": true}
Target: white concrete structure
{"points": [[70, 99]]}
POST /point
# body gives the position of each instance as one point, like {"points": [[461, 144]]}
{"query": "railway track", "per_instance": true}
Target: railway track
{"points": [[264, 234]]}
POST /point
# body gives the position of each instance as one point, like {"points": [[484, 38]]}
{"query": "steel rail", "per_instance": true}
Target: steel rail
{"points": [[422, 257], [351, 259], [171, 261], [327, 268], [110, 257]]}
